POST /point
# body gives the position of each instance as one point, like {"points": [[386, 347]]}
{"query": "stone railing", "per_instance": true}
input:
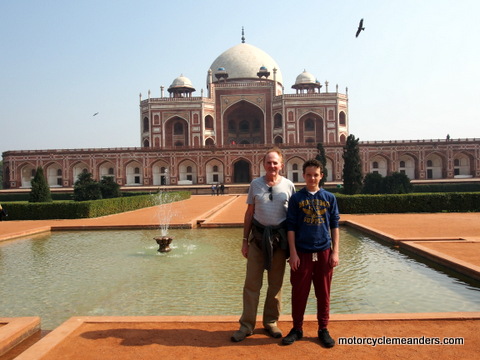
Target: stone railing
{"points": [[422, 141]]}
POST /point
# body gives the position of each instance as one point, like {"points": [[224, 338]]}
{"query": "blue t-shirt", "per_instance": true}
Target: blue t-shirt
{"points": [[312, 216]]}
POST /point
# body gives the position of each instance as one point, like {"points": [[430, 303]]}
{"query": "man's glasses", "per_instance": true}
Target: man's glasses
{"points": [[270, 196]]}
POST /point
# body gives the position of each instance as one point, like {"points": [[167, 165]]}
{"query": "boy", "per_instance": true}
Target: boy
{"points": [[313, 239]]}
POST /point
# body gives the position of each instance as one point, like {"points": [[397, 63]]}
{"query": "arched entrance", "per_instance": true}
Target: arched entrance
{"points": [[245, 124], [214, 172], [176, 132], [312, 129], [241, 172], [28, 173], [160, 173]]}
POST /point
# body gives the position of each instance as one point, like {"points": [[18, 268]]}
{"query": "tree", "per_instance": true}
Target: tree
{"points": [[40, 191], [373, 183], [352, 167], [86, 188], [109, 188], [323, 160], [397, 183]]}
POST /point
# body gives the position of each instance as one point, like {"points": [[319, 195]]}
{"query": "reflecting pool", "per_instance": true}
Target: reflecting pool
{"points": [[120, 273]]}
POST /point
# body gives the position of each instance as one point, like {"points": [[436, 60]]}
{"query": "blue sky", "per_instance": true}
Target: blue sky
{"points": [[414, 73]]}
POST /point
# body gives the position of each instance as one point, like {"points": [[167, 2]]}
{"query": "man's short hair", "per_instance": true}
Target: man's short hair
{"points": [[314, 163], [274, 149]]}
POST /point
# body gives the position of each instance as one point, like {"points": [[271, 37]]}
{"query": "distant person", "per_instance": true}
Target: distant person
{"points": [[264, 245], [218, 189], [3, 213], [313, 239], [213, 189], [222, 189]]}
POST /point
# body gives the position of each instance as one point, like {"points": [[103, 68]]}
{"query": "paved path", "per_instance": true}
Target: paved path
{"points": [[452, 239]]}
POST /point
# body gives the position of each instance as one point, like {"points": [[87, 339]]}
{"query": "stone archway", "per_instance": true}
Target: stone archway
{"points": [[244, 124], [312, 128], [241, 172], [27, 174], [176, 132]]}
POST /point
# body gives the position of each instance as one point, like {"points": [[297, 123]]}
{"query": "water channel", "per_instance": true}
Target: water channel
{"points": [[121, 273]]}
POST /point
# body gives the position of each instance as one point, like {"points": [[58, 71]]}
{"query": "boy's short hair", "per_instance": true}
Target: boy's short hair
{"points": [[314, 163]]}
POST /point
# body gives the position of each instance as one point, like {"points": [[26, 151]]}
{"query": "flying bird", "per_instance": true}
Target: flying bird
{"points": [[95, 114], [360, 28]]}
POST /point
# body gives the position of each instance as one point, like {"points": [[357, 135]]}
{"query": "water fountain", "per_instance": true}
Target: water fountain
{"points": [[164, 243], [165, 216]]}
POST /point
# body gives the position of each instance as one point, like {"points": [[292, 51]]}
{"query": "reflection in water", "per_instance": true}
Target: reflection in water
{"points": [[122, 273]]}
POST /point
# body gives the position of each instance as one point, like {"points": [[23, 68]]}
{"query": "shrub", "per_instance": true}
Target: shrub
{"points": [[109, 188], [86, 188], [373, 184], [397, 183]]}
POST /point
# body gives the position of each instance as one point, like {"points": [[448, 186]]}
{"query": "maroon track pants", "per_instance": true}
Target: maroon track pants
{"points": [[320, 273]]}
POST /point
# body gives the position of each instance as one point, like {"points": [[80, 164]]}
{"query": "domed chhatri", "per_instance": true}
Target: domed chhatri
{"points": [[181, 86], [263, 72], [181, 81], [305, 78], [221, 73], [306, 82], [243, 61]]}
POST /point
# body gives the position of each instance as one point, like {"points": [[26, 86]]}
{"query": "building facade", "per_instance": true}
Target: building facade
{"points": [[221, 136]]}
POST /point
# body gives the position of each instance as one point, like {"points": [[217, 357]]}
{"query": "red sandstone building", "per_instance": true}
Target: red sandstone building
{"points": [[221, 136]]}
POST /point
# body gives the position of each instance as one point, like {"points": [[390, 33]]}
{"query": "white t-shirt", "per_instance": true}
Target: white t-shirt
{"points": [[270, 212]]}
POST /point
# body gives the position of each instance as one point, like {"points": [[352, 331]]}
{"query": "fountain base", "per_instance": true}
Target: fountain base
{"points": [[164, 243]]}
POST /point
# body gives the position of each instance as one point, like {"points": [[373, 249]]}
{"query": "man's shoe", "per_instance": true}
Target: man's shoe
{"points": [[292, 336], [325, 338], [274, 331], [239, 336]]}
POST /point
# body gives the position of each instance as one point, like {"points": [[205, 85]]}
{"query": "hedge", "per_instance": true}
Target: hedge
{"points": [[446, 187], [86, 209], [409, 203], [348, 204], [25, 196], [58, 196]]}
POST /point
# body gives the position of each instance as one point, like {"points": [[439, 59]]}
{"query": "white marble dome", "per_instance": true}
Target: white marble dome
{"points": [[181, 82], [243, 61], [305, 78]]}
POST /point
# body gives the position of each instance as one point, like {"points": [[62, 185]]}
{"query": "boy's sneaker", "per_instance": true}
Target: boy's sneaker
{"points": [[325, 338], [292, 336]]}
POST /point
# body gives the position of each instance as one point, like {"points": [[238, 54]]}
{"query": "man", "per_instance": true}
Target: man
{"points": [[264, 245]]}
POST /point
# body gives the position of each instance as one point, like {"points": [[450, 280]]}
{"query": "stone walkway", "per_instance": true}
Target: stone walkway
{"points": [[450, 239]]}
